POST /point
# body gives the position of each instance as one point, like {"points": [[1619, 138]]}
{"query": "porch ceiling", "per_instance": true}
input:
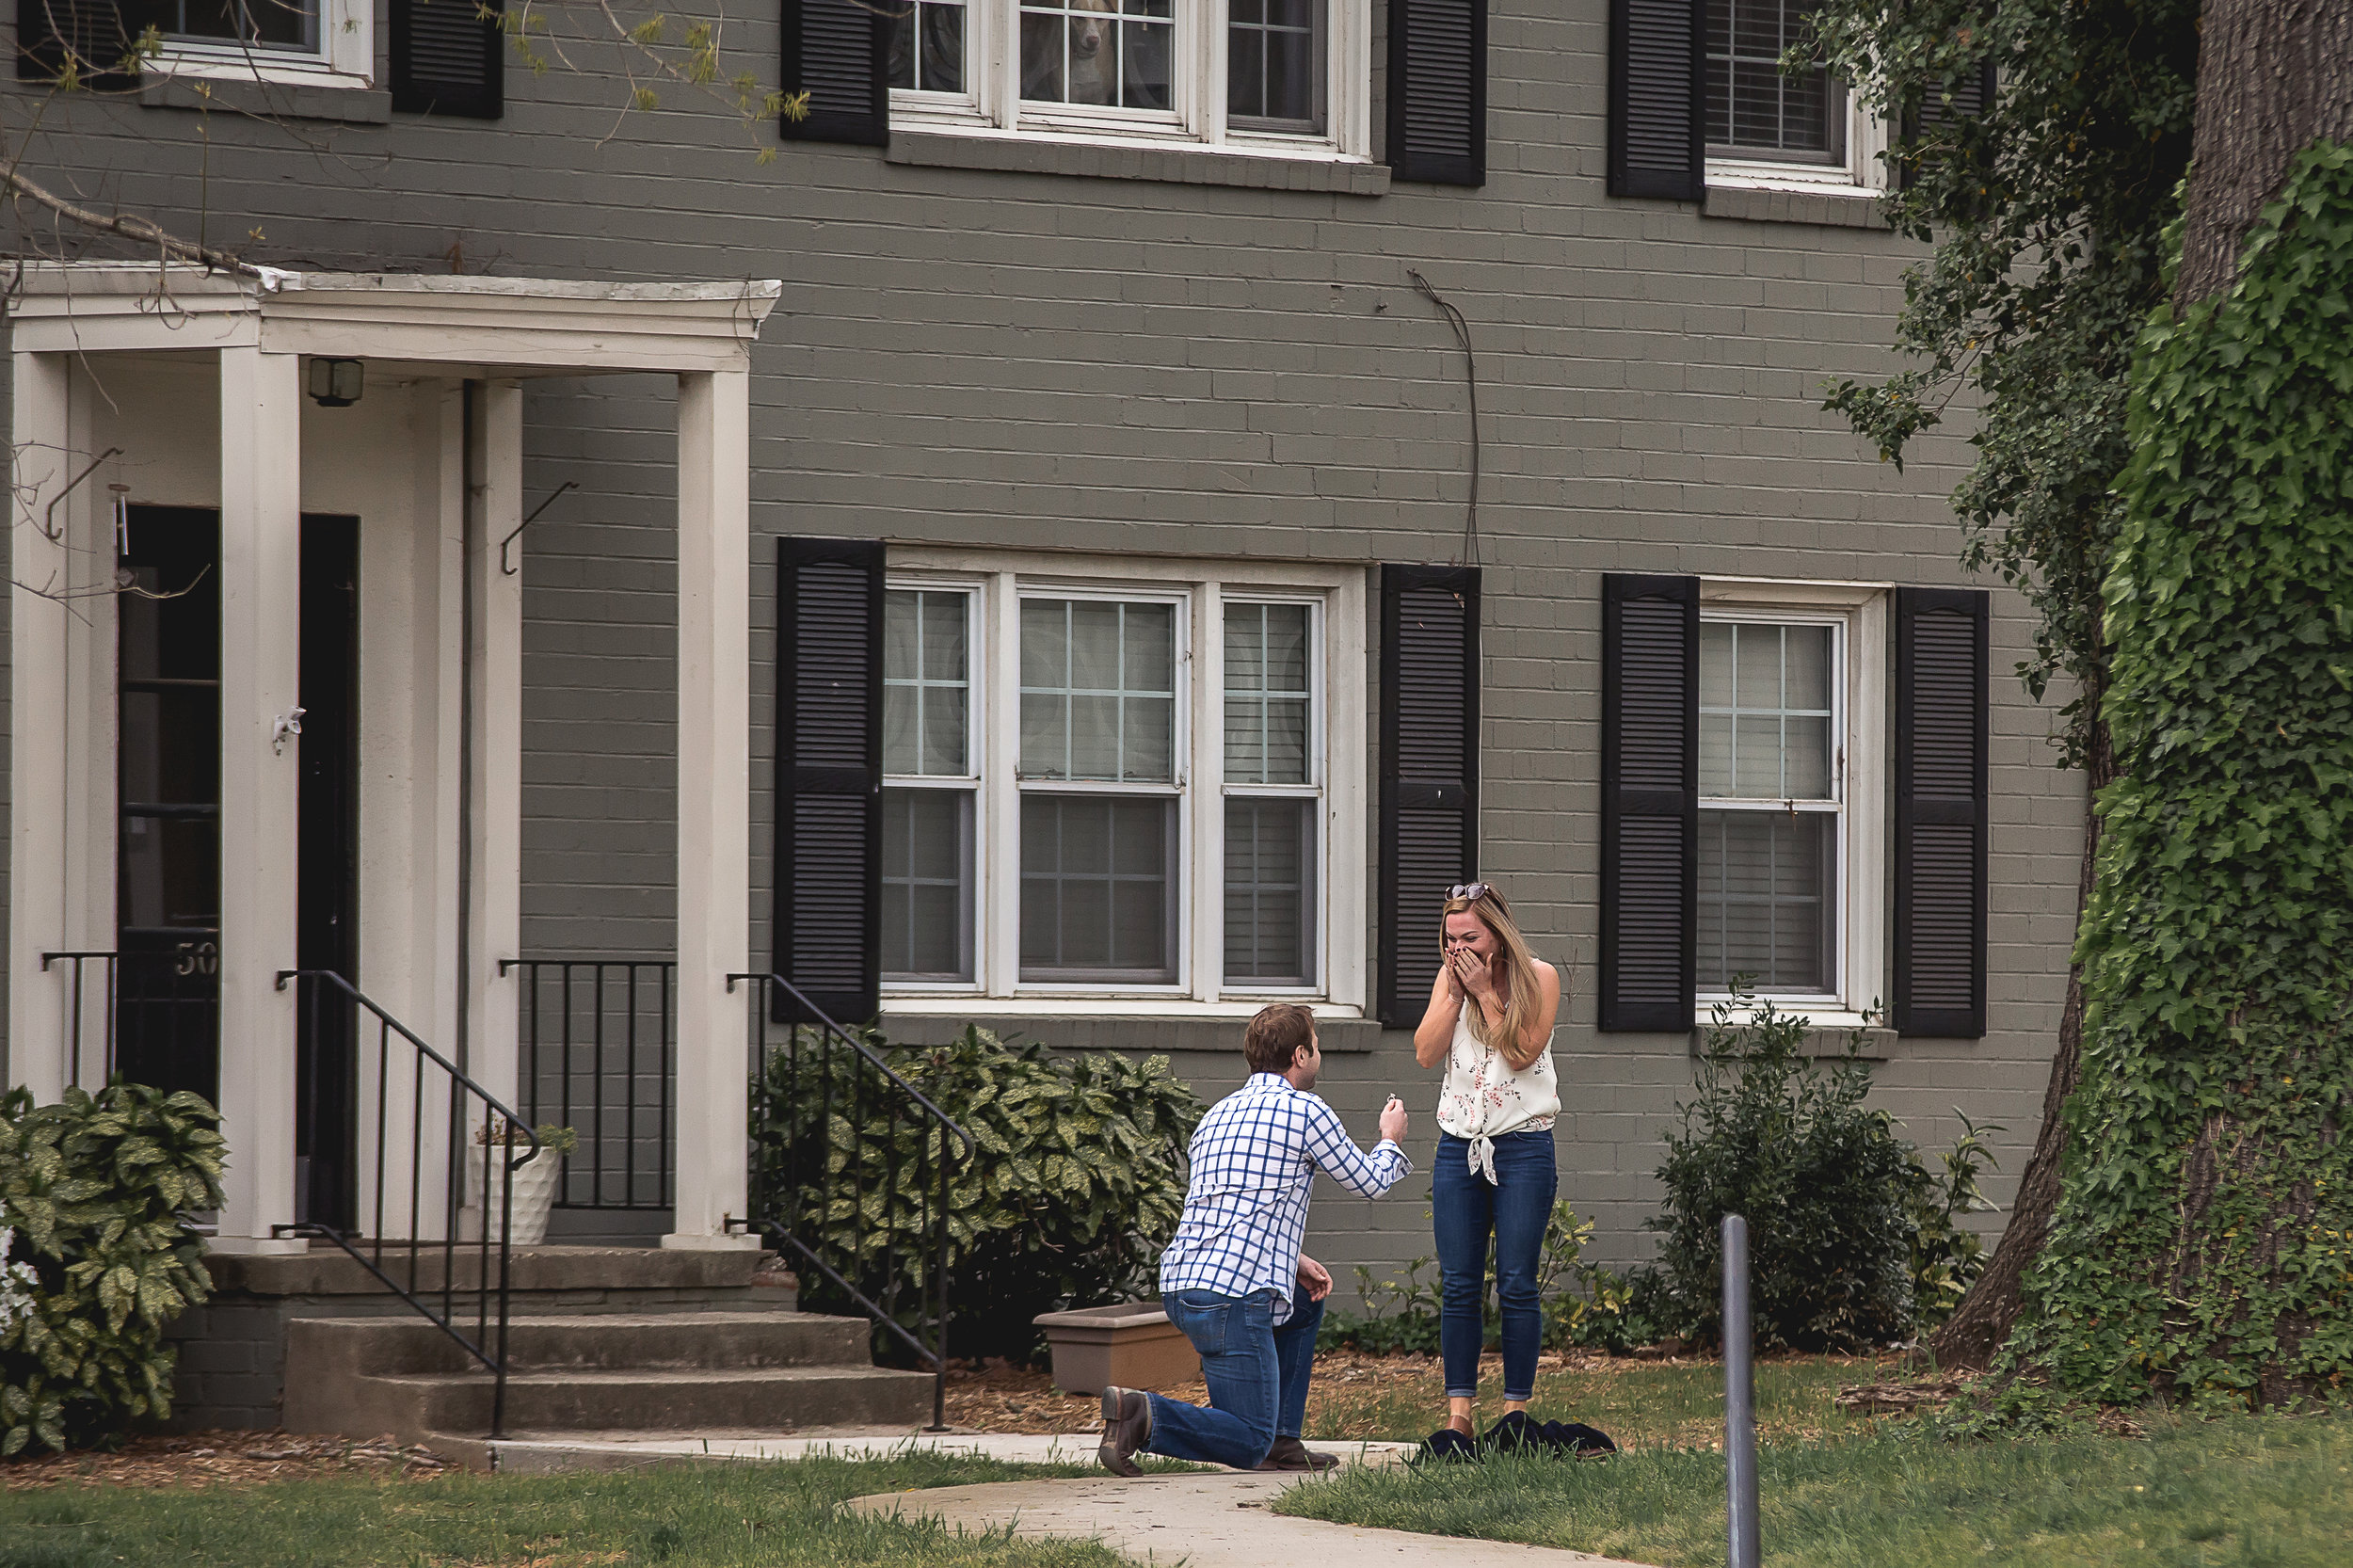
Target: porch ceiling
{"points": [[404, 322]]}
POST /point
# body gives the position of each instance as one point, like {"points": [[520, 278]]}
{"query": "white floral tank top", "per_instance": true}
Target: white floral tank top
{"points": [[1484, 1097]]}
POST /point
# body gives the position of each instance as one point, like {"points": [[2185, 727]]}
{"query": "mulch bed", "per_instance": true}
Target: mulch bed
{"points": [[997, 1397], [233, 1459]]}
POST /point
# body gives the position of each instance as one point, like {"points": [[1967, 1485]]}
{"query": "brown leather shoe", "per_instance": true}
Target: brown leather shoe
{"points": [[1126, 1427], [1289, 1453]]}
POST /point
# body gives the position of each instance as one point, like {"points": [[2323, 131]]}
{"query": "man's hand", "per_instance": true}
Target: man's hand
{"points": [[1315, 1280], [1393, 1120]]}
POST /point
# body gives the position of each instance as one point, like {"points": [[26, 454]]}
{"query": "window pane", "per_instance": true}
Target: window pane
{"points": [[1095, 888], [1766, 709], [1270, 891], [1752, 109], [927, 885], [926, 692], [927, 46], [1267, 701], [1767, 910], [1098, 697], [280, 24], [1275, 61], [1111, 53]]}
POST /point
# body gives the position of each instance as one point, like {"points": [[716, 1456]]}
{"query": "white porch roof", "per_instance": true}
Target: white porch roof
{"points": [[469, 327]]}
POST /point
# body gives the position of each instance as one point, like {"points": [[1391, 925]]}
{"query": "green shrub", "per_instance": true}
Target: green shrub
{"points": [[1585, 1304], [1824, 1182], [1076, 1185], [97, 1190]]}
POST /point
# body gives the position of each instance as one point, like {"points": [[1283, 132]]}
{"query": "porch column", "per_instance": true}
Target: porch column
{"points": [[39, 629], [495, 740], [714, 803], [261, 598]]}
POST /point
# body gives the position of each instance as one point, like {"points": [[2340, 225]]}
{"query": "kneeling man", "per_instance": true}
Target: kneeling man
{"points": [[1234, 1279]]}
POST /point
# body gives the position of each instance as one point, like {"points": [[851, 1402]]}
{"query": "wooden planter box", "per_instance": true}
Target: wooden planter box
{"points": [[1130, 1343]]}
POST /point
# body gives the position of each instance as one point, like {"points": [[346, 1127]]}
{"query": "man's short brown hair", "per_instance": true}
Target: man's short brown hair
{"points": [[1276, 1037]]}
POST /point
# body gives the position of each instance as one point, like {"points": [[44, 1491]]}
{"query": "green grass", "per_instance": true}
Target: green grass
{"points": [[720, 1516], [2246, 1493], [1635, 1403]]}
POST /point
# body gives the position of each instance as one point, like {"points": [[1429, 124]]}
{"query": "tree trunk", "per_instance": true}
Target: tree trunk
{"points": [[1982, 1322], [2274, 77]]}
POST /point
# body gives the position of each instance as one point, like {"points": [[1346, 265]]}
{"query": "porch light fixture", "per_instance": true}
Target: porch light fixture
{"points": [[335, 383]]}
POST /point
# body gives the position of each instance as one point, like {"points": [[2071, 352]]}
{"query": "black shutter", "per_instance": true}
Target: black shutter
{"points": [[1935, 114], [838, 53], [1650, 800], [829, 695], [91, 31], [448, 58], [1438, 91], [1429, 770], [1940, 724], [1658, 98]]}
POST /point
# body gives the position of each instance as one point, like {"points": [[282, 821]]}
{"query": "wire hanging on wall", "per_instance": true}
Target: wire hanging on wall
{"points": [[1471, 364]]}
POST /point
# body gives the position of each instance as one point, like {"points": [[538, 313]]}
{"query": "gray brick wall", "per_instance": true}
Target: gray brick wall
{"points": [[976, 358]]}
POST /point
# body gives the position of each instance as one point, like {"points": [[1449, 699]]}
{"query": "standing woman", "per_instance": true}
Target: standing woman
{"points": [[1490, 1023]]}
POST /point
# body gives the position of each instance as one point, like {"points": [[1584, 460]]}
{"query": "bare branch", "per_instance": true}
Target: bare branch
{"points": [[128, 226]]}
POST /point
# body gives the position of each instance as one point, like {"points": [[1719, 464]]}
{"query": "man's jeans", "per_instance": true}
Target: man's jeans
{"points": [[1513, 1211], [1257, 1376]]}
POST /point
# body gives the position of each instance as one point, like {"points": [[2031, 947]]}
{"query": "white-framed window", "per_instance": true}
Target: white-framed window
{"points": [[328, 41], [1121, 784], [1766, 128], [1792, 787], [1288, 77], [931, 769]]}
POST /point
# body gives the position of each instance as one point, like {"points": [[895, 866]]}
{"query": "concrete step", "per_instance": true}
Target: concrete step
{"points": [[773, 1399], [707, 1340], [327, 1271]]}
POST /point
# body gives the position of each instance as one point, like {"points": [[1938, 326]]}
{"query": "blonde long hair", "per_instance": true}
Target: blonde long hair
{"points": [[1528, 997]]}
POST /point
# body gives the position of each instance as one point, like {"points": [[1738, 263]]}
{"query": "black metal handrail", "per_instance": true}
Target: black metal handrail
{"points": [[809, 1186], [599, 1043], [157, 1013], [460, 1098]]}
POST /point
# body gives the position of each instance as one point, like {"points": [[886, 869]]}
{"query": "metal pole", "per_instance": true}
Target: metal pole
{"points": [[1740, 1401]]}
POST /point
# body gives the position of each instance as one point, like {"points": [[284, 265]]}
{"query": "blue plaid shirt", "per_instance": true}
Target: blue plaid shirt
{"points": [[1255, 1159]]}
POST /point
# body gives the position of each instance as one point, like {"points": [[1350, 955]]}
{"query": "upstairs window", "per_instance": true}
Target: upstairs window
{"points": [[261, 24], [1284, 75], [1754, 110]]}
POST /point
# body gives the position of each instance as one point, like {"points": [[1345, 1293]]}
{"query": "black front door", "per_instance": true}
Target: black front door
{"points": [[168, 800], [326, 912]]}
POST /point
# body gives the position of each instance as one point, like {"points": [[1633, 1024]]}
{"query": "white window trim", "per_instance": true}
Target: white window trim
{"points": [[1002, 580], [1211, 770], [976, 738], [1862, 954], [1863, 176], [345, 55], [995, 109]]}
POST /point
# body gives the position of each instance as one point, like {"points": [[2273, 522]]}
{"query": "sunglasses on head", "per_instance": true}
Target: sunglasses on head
{"points": [[1471, 891]]}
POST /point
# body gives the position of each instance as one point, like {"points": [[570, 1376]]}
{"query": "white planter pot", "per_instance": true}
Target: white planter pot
{"points": [[533, 1195]]}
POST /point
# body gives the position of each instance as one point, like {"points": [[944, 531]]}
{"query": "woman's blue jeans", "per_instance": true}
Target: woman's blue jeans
{"points": [[1513, 1211]]}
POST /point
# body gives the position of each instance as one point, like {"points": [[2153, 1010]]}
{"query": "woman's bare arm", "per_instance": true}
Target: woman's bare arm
{"points": [[1522, 1053], [1435, 1032]]}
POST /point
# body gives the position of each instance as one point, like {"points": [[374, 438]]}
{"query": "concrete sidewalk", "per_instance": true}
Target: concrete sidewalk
{"points": [[631, 1450], [1212, 1520]]}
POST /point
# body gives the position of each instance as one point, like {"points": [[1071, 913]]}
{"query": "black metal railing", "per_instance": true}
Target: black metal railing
{"points": [[426, 1116], [599, 1048], [152, 1015], [851, 1170]]}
